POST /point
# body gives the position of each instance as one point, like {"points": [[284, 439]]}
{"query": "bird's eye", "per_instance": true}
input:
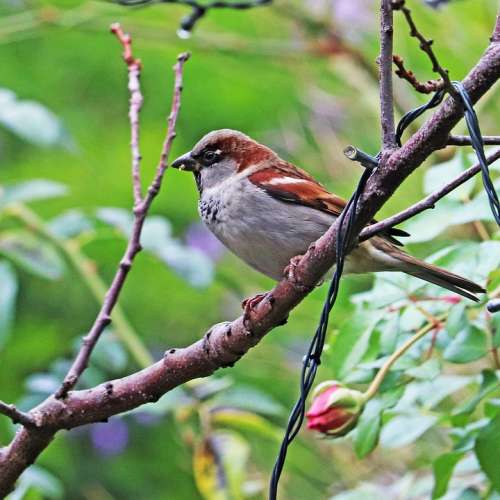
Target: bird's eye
{"points": [[210, 156]]}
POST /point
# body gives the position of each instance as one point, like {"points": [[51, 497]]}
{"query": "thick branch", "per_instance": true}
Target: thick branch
{"points": [[17, 416], [225, 343], [427, 203], [385, 63]]}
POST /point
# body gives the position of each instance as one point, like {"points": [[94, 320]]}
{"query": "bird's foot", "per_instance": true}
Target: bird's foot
{"points": [[290, 269], [248, 305]]}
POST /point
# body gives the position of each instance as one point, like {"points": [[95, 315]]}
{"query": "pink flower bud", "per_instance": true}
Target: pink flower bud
{"points": [[335, 409]]}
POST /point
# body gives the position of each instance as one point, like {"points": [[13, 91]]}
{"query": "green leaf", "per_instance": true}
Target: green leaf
{"points": [[31, 253], [109, 354], [245, 421], [368, 428], [405, 429], [487, 448], [456, 319], [39, 480], [31, 121], [469, 344], [431, 223], [8, 293], [428, 370], [37, 189], [489, 382], [69, 224], [433, 178], [492, 408], [219, 464], [443, 469], [248, 398], [353, 340]]}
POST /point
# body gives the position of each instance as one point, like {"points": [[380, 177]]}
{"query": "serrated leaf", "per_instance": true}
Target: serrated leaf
{"points": [[469, 344], [31, 253], [431, 223], [405, 429], [353, 340], [428, 370], [435, 176], [8, 293], [37, 189], [368, 428], [486, 449], [489, 383], [443, 469]]}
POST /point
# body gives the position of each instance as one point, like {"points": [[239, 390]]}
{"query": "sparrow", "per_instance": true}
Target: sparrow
{"points": [[267, 211]]}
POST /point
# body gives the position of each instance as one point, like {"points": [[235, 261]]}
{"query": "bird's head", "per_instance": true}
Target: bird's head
{"points": [[221, 154]]}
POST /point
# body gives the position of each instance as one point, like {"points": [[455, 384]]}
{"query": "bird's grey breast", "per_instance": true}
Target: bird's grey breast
{"points": [[261, 230]]}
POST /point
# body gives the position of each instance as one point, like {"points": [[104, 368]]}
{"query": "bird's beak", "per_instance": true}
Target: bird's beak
{"points": [[185, 162]]}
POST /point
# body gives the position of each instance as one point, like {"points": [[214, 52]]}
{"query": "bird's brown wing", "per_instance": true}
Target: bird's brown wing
{"points": [[288, 183]]}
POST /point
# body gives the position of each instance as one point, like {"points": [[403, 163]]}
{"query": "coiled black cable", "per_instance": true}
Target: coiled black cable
{"points": [[312, 359]]}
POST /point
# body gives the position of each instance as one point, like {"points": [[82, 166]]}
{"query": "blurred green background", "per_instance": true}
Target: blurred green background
{"points": [[297, 76]]}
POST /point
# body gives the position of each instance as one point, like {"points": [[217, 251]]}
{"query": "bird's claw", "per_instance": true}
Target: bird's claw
{"points": [[248, 305], [290, 269]]}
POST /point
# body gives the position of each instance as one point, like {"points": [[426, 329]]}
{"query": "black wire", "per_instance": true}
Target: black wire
{"points": [[412, 115], [313, 357], [344, 239], [478, 145]]}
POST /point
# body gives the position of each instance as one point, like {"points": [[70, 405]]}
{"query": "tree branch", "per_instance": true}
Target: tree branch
{"points": [[427, 87], [17, 416], [103, 318], [225, 343], [425, 45], [465, 140], [136, 100], [385, 63], [427, 203]]}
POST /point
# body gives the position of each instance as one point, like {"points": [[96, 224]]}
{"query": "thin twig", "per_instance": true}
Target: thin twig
{"points": [[134, 74], [427, 87], [385, 64], [465, 140], [427, 203], [17, 416], [425, 45], [133, 247], [377, 381]]}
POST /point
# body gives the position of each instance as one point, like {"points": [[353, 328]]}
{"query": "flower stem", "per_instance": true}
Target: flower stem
{"points": [[87, 271], [379, 378]]}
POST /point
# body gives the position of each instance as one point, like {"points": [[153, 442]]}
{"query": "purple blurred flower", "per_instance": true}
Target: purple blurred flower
{"points": [[147, 419], [199, 237], [353, 12], [110, 438]]}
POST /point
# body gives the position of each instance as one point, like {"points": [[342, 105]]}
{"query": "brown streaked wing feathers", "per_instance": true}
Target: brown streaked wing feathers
{"points": [[309, 193]]}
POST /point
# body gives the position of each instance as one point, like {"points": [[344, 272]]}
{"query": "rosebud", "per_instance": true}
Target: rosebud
{"points": [[335, 409]]}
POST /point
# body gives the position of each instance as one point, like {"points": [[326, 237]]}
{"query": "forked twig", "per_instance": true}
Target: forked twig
{"points": [[140, 211]]}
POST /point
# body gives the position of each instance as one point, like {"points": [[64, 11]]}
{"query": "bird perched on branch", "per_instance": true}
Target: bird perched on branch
{"points": [[266, 211]]}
